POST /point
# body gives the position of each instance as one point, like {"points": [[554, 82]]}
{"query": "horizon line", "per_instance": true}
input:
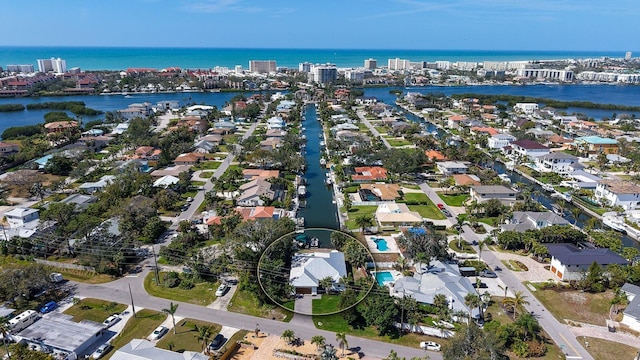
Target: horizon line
{"points": [[300, 48]]}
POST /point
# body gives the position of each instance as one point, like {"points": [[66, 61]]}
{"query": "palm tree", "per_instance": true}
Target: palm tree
{"points": [[171, 311], [363, 221], [341, 338], [483, 244], [4, 330], [515, 302], [528, 326], [318, 340], [326, 283], [472, 301], [204, 333], [575, 212], [288, 335]]}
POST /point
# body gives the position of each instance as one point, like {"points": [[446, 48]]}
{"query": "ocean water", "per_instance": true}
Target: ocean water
{"points": [[112, 58]]}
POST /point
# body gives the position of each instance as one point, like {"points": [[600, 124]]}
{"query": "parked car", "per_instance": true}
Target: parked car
{"points": [[101, 351], [440, 206], [217, 342], [159, 332], [488, 274], [49, 307], [222, 289], [430, 345], [110, 321]]}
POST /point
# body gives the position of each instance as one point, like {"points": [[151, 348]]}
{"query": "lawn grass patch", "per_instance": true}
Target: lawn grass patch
{"points": [[186, 336], [575, 305], [411, 186], [357, 211], [453, 200], [416, 198], [335, 323], [399, 142], [491, 221], [466, 248], [206, 174], [138, 327], [608, 350], [428, 211], [94, 310], [327, 304], [83, 276], [208, 165], [245, 302], [201, 294]]}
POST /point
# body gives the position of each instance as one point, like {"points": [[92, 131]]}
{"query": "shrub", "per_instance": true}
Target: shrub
{"points": [[536, 348], [522, 266]]}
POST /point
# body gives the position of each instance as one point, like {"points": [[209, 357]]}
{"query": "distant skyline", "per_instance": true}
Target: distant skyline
{"points": [[560, 25]]}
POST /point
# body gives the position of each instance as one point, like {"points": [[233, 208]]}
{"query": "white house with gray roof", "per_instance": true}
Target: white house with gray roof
{"points": [[522, 221], [557, 162], [569, 262], [439, 278], [631, 315], [615, 192], [482, 193], [308, 269]]}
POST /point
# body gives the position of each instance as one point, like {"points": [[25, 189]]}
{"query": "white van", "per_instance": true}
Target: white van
{"points": [[23, 321]]}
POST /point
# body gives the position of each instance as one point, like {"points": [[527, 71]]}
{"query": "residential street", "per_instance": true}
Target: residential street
{"points": [[118, 291]]}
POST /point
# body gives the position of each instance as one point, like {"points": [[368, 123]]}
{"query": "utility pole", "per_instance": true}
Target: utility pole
{"points": [[133, 307], [155, 265], [402, 314]]}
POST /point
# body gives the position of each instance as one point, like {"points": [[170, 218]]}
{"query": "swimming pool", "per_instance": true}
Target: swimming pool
{"points": [[381, 244], [384, 277]]}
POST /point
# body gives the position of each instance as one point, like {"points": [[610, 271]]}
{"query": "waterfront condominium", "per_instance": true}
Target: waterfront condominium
{"points": [[262, 66], [323, 74], [399, 64], [24, 68], [370, 64], [58, 66]]}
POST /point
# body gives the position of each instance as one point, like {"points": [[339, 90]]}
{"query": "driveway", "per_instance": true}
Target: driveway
{"points": [[222, 302]]}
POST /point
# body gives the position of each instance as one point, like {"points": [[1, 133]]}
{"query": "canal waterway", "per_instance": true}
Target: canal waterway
{"points": [[321, 210]]}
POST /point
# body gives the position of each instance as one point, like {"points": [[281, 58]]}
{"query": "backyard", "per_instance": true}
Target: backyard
{"points": [[453, 200], [94, 310], [138, 327]]}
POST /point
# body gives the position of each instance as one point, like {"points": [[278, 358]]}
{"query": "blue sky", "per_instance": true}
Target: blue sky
{"points": [[351, 24]]}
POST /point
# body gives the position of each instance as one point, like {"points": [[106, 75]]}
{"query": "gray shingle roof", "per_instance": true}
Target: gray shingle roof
{"points": [[569, 254], [633, 309]]}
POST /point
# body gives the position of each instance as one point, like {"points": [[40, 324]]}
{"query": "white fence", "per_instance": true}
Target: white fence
{"points": [[426, 330]]}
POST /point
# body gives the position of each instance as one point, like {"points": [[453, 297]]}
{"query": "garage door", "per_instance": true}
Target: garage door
{"points": [[303, 290]]}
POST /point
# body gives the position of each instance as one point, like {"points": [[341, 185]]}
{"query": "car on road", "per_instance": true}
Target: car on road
{"points": [[222, 289], [49, 307], [446, 212], [217, 342], [430, 345], [101, 351], [488, 274], [440, 206], [110, 321], [159, 332]]}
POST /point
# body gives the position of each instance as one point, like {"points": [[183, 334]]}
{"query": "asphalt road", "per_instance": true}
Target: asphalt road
{"points": [[118, 291]]}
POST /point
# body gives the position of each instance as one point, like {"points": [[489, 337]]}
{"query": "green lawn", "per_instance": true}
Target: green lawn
{"points": [[94, 310], [201, 294], [399, 142], [245, 302], [357, 211], [335, 323], [421, 198], [138, 327], [327, 304], [410, 186], [186, 336], [428, 211], [206, 174], [453, 200], [208, 165], [466, 248], [491, 221]]}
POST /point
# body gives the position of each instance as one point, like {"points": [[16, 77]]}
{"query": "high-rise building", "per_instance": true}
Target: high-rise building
{"points": [[370, 64], [58, 66], [24, 68], [305, 67], [627, 56], [262, 66], [324, 73], [398, 64]]}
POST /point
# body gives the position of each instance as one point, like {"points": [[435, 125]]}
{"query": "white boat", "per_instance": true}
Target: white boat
{"points": [[302, 191], [547, 187], [327, 181], [505, 178], [323, 161], [510, 165], [614, 223], [564, 196], [321, 143], [556, 209]]}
